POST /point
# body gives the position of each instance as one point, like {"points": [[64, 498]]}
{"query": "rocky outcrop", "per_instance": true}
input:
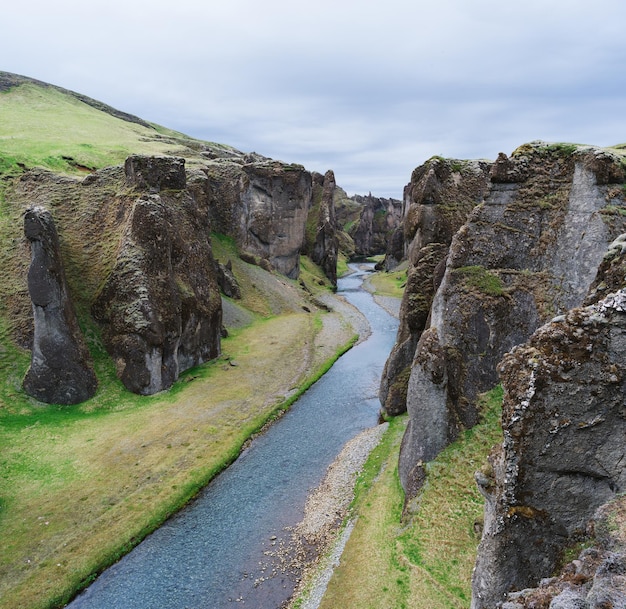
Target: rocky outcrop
{"points": [[148, 274], [61, 369], [595, 579], [378, 219], [155, 173], [262, 204], [227, 281], [437, 201], [160, 306], [322, 243], [563, 452], [528, 252]]}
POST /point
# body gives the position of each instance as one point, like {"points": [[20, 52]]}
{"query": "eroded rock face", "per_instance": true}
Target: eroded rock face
{"points": [[227, 281], [61, 370], [530, 251], [324, 249], [263, 205], [596, 578], [378, 219], [563, 453], [155, 173], [437, 202], [144, 254], [160, 306]]}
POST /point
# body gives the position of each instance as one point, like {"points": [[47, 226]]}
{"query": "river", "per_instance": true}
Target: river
{"points": [[214, 552]]}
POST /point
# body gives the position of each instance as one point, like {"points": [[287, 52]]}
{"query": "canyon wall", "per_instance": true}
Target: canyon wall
{"points": [[136, 243], [562, 457], [527, 251], [441, 194]]}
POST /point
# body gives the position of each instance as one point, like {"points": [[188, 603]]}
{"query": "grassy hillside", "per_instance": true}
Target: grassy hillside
{"points": [[47, 127], [79, 485]]}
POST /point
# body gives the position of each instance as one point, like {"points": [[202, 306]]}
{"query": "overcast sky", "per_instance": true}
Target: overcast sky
{"points": [[370, 89]]}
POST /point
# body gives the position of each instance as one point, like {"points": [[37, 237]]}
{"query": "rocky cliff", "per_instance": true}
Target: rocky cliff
{"points": [[61, 370], [437, 202], [562, 457], [322, 244], [160, 308], [262, 204], [377, 221], [143, 263], [527, 252]]}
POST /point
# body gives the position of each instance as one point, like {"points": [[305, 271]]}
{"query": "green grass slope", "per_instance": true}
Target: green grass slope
{"points": [[42, 125]]}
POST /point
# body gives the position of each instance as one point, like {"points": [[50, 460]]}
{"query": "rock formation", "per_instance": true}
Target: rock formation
{"points": [[151, 281], [528, 252], [378, 219], [155, 173], [595, 579], [160, 307], [563, 454], [227, 280], [61, 370], [437, 202], [262, 204], [322, 243]]}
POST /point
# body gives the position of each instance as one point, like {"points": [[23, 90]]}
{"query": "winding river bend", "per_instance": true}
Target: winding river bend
{"points": [[214, 553]]}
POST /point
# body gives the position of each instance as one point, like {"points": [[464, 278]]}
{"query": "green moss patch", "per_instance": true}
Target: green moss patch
{"points": [[480, 279]]}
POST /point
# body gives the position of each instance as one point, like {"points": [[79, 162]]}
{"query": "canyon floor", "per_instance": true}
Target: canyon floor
{"points": [[82, 485]]}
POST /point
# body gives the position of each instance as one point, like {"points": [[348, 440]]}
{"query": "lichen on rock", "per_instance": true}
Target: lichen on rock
{"points": [[160, 307], [528, 251], [562, 456]]}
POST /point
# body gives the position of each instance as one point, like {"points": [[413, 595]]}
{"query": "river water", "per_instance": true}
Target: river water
{"points": [[214, 553]]}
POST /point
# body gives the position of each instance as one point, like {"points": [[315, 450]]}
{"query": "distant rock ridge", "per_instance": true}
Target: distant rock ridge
{"points": [[61, 369], [529, 249], [378, 219]]}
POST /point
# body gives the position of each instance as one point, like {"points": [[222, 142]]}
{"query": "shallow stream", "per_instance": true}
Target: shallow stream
{"points": [[217, 552]]}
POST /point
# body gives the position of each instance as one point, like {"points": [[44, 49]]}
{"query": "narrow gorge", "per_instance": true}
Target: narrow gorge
{"points": [[164, 299]]}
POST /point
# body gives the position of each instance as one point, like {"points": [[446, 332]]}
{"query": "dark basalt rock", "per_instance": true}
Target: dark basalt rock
{"points": [[529, 251], [61, 370], [227, 280], [378, 219], [561, 464], [155, 173], [437, 202], [325, 247], [160, 307], [263, 205], [563, 451]]}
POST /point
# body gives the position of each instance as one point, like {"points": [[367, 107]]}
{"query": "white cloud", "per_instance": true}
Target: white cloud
{"points": [[366, 88]]}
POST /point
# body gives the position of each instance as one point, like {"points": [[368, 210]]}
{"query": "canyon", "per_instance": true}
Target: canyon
{"points": [[515, 275]]}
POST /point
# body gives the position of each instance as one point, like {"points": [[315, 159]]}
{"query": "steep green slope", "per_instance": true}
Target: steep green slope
{"points": [[41, 125]]}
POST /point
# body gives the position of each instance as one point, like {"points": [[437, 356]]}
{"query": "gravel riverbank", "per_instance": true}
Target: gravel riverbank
{"points": [[318, 541]]}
